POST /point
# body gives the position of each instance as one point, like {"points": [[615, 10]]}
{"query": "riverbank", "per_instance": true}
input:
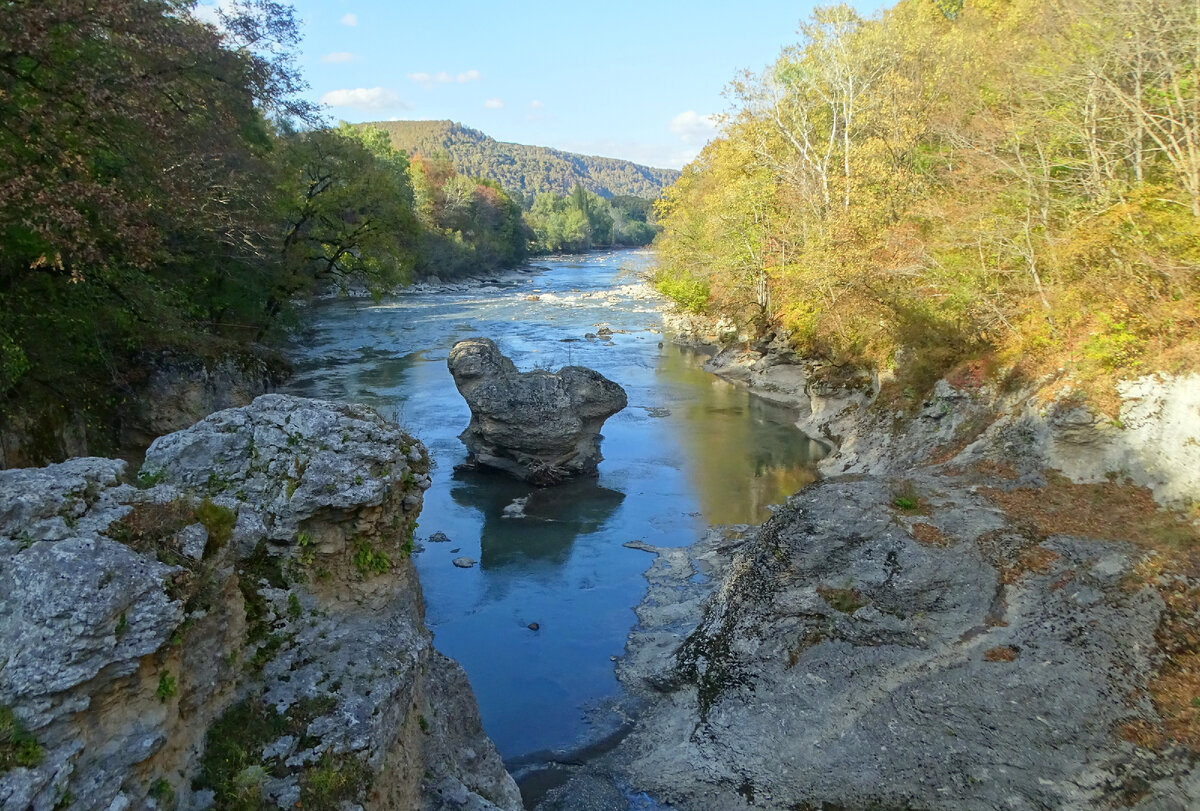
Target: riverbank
{"points": [[242, 625], [980, 605]]}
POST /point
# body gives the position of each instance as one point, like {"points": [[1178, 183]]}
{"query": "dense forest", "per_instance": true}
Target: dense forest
{"points": [[959, 182], [582, 220], [163, 187], [526, 170]]}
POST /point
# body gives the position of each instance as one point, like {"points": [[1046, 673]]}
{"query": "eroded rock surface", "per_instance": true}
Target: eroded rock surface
{"points": [[246, 621], [848, 654], [540, 426]]}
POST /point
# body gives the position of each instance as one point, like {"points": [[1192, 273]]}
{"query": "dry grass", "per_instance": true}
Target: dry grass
{"points": [[1112, 511], [1005, 653], [997, 470], [929, 535], [1036, 559], [1109, 511]]}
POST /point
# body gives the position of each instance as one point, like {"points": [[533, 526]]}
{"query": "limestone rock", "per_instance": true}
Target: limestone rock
{"points": [[179, 389], [540, 426], [833, 659], [264, 570]]}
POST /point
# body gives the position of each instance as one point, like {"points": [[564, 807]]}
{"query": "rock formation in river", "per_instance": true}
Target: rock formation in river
{"points": [[244, 623], [540, 426]]}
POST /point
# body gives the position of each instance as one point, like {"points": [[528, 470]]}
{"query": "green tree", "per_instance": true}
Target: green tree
{"points": [[349, 205]]}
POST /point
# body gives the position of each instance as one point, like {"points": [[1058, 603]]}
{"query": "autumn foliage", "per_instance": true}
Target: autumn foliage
{"points": [[165, 190], [1017, 179]]}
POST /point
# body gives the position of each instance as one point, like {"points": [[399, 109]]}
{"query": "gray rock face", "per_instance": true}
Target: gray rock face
{"points": [[832, 659], [263, 565], [540, 426], [170, 391], [178, 390], [1154, 440]]}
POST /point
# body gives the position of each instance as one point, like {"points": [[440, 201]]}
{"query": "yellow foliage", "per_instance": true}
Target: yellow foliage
{"points": [[955, 200]]}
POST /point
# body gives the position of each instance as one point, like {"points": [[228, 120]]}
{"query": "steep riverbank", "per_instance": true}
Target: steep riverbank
{"points": [[245, 627], [978, 607]]}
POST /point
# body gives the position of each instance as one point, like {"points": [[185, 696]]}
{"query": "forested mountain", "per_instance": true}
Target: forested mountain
{"points": [[529, 170], [164, 190], [1009, 183]]}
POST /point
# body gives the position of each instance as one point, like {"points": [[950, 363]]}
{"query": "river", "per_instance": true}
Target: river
{"points": [[690, 450]]}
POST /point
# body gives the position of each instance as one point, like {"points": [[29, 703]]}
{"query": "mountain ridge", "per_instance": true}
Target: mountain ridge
{"points": [[528, 170]]}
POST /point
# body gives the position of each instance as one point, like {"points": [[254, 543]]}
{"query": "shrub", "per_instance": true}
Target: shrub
{"points": [[369, 560], [17, 746]]}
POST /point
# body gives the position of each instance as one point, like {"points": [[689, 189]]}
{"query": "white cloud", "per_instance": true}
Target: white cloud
{"points": [[350, 20], [494, 104], [364, 98], [693, 128], [339, 56], [442, 77], [209, 12], [536, 105]]}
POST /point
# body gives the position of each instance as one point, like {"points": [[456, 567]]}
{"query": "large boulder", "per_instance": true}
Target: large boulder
{"points": [[245, 628], [540, 426], [851, 654]]}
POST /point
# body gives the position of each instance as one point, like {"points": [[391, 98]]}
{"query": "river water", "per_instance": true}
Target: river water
{"points": [[690, 450]]}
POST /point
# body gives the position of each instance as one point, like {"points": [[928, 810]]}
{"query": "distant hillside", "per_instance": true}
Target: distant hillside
{"points": [[525, 169]]}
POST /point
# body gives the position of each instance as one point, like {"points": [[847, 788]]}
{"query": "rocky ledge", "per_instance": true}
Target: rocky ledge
{"points": [[955, 639], [241, 627], [983, 606], [853, 654], [540, 426]]}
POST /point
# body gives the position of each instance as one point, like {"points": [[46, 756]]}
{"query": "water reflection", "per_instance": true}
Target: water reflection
{"points": [[689, 450], [522, 523], [745, 453]]}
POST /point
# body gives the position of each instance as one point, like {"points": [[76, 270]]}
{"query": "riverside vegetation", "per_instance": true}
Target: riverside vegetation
{"points": [[1005, 183], [166, 192], [964, 238]]}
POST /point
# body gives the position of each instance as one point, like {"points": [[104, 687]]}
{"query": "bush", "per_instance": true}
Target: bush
{"points": [[17, 747], [690, 294]]}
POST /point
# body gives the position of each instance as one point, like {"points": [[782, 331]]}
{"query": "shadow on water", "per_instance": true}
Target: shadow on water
{"points": [[523, 523]]}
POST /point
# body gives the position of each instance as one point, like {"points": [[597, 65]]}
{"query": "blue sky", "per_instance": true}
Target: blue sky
{"points": [[624, 79]]}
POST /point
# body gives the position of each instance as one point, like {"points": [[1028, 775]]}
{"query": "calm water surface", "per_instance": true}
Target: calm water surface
{"points": [[690, 450]]}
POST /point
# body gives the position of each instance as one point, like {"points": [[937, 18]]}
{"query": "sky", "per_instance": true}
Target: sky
{"points": [[622, 79]]}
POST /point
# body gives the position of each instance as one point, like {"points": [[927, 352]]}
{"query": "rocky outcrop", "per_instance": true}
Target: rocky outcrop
{"points": [[175, 390], [944, 622], [948, 660], [854, 653], [540, 426], [160, 393], [243, 623], [1153, 441]]}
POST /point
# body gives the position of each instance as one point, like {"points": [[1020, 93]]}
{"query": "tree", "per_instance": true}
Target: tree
{"points": [[350, 211], [136, 189]]}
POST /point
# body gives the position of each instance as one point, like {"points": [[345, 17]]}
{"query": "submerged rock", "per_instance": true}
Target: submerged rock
{"points": [[540, 426], [247, 622]]}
